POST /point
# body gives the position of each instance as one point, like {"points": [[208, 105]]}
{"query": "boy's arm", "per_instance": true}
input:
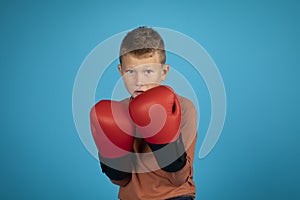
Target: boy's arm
{"points": [[188, 131], [157, 114], [176, 135], [112, 132], [181, 176]]}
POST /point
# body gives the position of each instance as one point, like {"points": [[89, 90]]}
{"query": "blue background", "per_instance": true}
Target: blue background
{"points": [[255, 45]]}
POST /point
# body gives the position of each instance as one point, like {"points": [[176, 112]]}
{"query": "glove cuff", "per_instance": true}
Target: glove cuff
{"points": [[117, 168], [174, 151]]}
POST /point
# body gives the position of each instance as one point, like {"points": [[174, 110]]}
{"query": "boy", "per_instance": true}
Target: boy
{"points": [[146, 142]]}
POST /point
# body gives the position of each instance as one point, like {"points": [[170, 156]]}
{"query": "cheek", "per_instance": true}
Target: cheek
{"points": [[158, 77], [129, 82], [126, 78]]}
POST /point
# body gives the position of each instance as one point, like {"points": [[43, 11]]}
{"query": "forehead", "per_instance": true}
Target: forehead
{"points": [[130, 61]]}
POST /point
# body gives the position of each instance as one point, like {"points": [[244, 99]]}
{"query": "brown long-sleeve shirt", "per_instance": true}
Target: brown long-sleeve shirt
{"points": [[148, 181]]}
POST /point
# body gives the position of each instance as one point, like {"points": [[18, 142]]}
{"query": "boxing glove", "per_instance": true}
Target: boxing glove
{"points": [[112, 130], [157, 115]]}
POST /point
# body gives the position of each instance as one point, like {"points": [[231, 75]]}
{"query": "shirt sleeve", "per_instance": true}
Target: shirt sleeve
{"points": [[122, 182]]}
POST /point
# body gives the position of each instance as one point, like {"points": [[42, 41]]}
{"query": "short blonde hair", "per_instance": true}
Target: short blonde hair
{"points": [[143, 42]]}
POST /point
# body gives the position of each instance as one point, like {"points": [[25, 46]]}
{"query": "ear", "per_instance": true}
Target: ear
{"points": [[120, 69], [166, 68]]}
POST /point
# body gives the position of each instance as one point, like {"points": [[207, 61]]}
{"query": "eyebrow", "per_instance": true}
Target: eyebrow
{"points": [[147, 65]]}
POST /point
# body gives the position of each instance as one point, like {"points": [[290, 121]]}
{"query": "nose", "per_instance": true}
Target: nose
{"points": [[139, 79]]}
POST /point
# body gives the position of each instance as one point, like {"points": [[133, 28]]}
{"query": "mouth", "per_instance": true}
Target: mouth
{"points": [[138, 92]]}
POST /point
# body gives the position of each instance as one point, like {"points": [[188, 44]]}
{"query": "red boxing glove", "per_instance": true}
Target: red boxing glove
{"points": [[112, 131], [157, 114]]}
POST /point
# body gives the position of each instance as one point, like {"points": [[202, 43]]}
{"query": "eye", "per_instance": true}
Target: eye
{"points": [[130, 71], [148, 71]]}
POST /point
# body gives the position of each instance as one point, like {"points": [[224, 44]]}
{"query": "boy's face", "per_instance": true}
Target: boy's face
{"points": [[141, 74]]}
